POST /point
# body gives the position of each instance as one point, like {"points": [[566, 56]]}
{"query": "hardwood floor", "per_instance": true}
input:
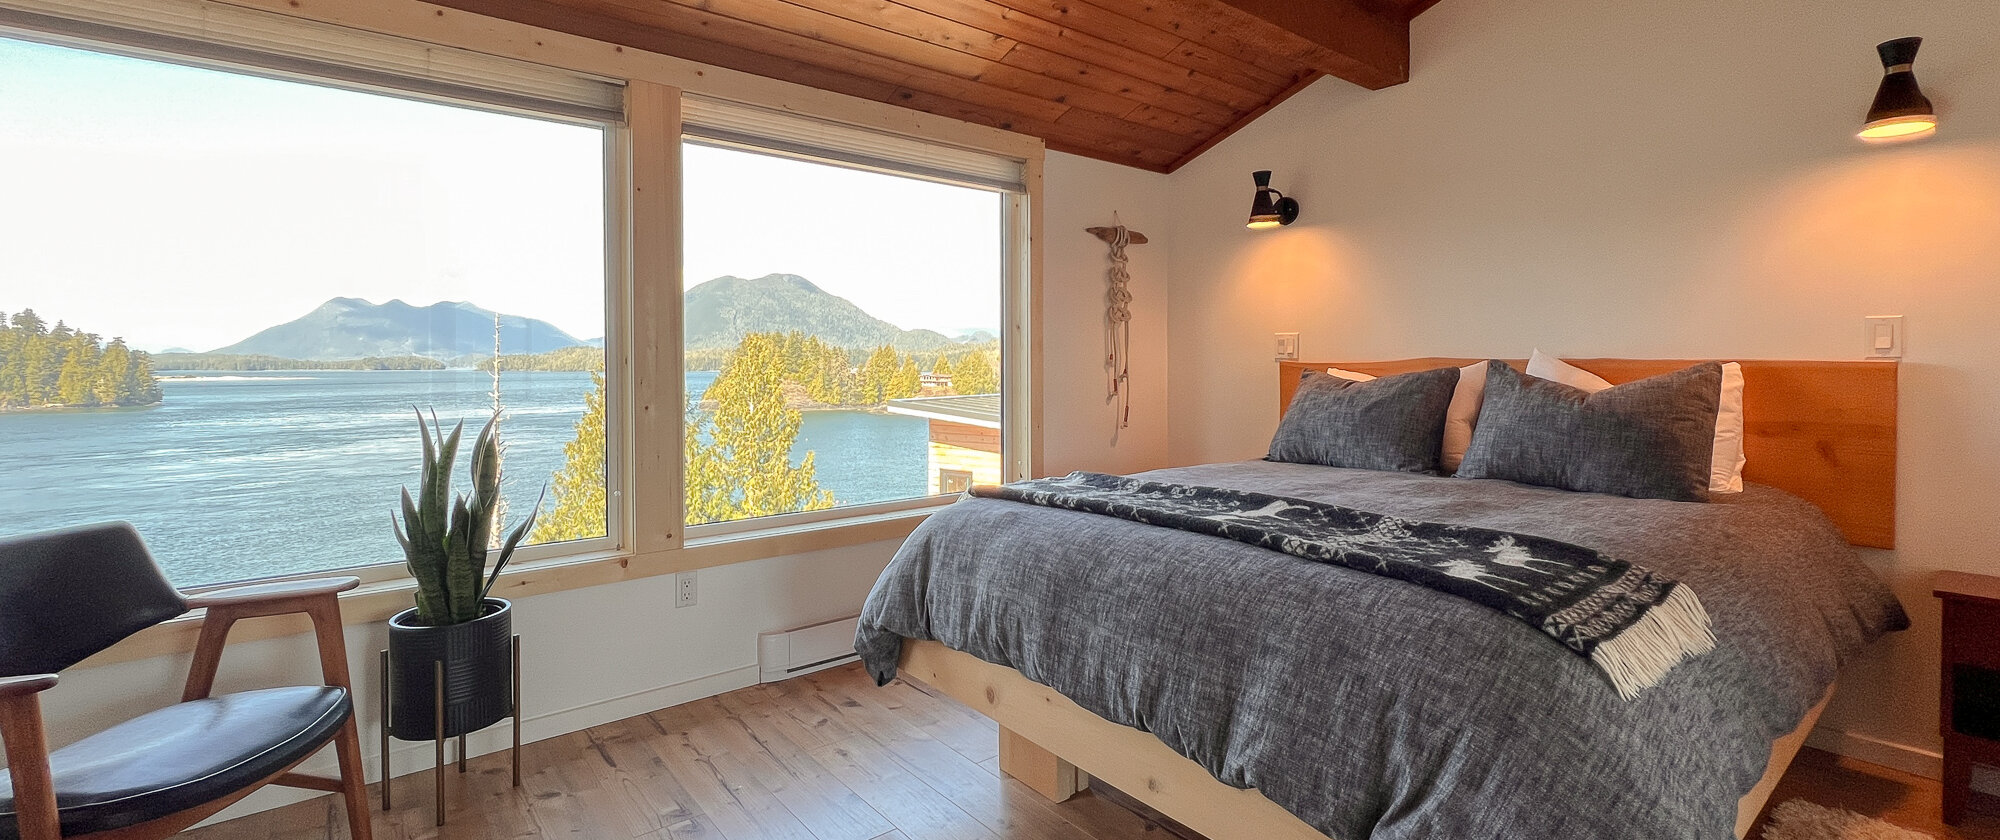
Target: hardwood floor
{"points": [[1909, 801], [827, 756], [831, 757]]}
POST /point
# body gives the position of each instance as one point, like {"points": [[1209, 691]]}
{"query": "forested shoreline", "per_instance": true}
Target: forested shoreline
{"points": [[820, 373], [257, 362], [740, 432], [62, 367]]}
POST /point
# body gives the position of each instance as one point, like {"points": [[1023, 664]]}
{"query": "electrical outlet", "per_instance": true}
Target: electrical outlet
{"points": [[1286, 345], [684, 590]]}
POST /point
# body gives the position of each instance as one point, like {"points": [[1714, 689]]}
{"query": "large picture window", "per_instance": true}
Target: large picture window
{"points": [[224, 297], [842, 331]]}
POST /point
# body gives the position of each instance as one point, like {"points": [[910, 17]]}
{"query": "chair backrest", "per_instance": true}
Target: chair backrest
{"points": [[67, 594]]}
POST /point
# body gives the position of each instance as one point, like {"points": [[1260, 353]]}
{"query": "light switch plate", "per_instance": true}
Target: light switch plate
{"points": [[1287, 345], [1884, 337]]}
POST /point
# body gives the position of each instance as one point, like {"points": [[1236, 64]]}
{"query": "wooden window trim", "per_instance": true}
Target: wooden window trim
{"points": [[375, 603]]}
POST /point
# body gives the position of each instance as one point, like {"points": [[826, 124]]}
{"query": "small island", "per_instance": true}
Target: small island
{"points": [[62, 367]]}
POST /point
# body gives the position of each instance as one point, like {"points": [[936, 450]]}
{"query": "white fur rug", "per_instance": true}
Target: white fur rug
{"points": [[1798, 819]]}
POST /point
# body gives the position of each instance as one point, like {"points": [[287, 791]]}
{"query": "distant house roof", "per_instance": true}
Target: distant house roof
{"points": [[971, 409]]}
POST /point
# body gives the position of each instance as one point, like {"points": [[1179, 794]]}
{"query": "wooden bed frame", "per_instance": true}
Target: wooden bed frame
{"points": [[1054, 746], [1825, 431]]}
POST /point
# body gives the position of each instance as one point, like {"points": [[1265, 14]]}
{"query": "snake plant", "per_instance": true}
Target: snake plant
{"points": [[447, 545]]}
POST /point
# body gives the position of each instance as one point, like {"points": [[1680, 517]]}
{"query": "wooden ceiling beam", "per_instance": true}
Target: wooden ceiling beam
{"points": [[1418, 7], [1345, 39]]}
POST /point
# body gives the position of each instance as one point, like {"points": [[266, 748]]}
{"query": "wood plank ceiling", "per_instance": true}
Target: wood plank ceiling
{"points": [[1145, 83]]}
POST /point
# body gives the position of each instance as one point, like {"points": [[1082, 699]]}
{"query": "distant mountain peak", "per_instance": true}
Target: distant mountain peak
{"points": [[352, 328], [719, 312]]}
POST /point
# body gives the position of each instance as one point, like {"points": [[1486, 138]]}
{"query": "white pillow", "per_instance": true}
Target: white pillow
{"points": [[1725, 466], [1556, 370], [1459, 417], [1726, 470]]}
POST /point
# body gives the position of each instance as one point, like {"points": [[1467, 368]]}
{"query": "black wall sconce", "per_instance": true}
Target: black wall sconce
{"points": [[1270, 208], [1900, 111]]}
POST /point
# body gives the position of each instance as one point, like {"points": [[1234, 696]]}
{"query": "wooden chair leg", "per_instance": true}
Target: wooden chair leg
{"points": [[327, 631], [28, 764], [354, 781]]}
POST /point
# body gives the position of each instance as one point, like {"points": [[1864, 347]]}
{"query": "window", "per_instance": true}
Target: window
{"points": [[843, 314], [953, 481], [227, 286]]}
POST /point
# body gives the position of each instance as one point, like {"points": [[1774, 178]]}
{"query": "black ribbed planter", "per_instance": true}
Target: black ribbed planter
{"points": [[478, 673]]}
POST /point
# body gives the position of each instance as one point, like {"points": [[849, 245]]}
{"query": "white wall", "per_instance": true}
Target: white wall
{"points": [[1646, 180], [1082, 430], [607, 652]]}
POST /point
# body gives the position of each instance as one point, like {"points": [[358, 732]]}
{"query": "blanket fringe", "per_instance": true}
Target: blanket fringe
{"points": [[1669, 632]]}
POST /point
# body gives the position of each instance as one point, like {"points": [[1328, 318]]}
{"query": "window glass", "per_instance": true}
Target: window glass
{"points": [[842, 334], [226, 298]]}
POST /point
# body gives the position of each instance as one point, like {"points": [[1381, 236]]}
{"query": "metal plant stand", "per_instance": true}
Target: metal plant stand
{"points": [[437, 772]]}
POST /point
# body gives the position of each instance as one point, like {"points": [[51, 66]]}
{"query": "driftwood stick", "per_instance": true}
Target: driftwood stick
{"points": [[1107, 234]]}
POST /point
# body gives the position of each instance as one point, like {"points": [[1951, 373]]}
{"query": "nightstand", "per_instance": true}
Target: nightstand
{"points": [[1969, 692]]}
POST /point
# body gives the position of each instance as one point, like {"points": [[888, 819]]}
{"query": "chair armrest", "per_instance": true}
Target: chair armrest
{"points": [[263, 593], [25, 684], [225, 607]]}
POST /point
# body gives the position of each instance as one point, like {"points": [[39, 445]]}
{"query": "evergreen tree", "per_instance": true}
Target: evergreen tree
{"points": [[111, 369], [74, 383], [579, 486], [909, 380], [738, 459], [64, 366], [975, 374], [878, 375], [832, 380]]}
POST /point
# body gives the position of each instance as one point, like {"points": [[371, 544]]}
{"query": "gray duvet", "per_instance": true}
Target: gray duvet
{"points": [[1373, 708]]}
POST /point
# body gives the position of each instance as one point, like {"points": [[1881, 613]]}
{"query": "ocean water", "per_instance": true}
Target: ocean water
{"points": [[245, 475]]}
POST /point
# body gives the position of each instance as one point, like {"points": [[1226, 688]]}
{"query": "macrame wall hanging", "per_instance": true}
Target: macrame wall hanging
{"points": [[1118, 315]]}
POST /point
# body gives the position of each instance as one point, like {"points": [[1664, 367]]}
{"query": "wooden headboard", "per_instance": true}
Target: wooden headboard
{"points": [[1823, 431]]}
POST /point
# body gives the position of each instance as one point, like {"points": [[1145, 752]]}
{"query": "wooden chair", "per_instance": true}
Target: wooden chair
{"points": [[65, 595]]}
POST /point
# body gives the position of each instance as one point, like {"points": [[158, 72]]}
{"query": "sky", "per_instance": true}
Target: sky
{"points": [[189, 208], [913, 253]]}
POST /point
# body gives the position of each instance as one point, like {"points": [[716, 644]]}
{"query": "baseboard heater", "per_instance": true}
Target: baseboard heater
{"points": [[785, 654]]}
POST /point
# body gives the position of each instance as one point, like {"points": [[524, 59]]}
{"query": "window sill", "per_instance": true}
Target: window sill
{"points": [[704, 536], [377, 601]]}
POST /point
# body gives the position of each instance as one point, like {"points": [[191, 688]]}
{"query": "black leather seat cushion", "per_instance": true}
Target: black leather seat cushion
{"points": [[183, 756]]}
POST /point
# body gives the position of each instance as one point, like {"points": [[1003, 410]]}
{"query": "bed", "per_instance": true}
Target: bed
{"points": [[1247, 694]]}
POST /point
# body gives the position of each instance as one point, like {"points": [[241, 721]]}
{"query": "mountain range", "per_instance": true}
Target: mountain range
{"points": [[721, 311], [352, 328], [718, 314]]}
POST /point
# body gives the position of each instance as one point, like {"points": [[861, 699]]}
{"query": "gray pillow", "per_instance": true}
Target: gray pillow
{"points": [[1648, 439], [1394, 423]]}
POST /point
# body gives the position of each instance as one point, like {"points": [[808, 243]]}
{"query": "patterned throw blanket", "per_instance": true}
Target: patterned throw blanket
{"points": [[1632, 624]]}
